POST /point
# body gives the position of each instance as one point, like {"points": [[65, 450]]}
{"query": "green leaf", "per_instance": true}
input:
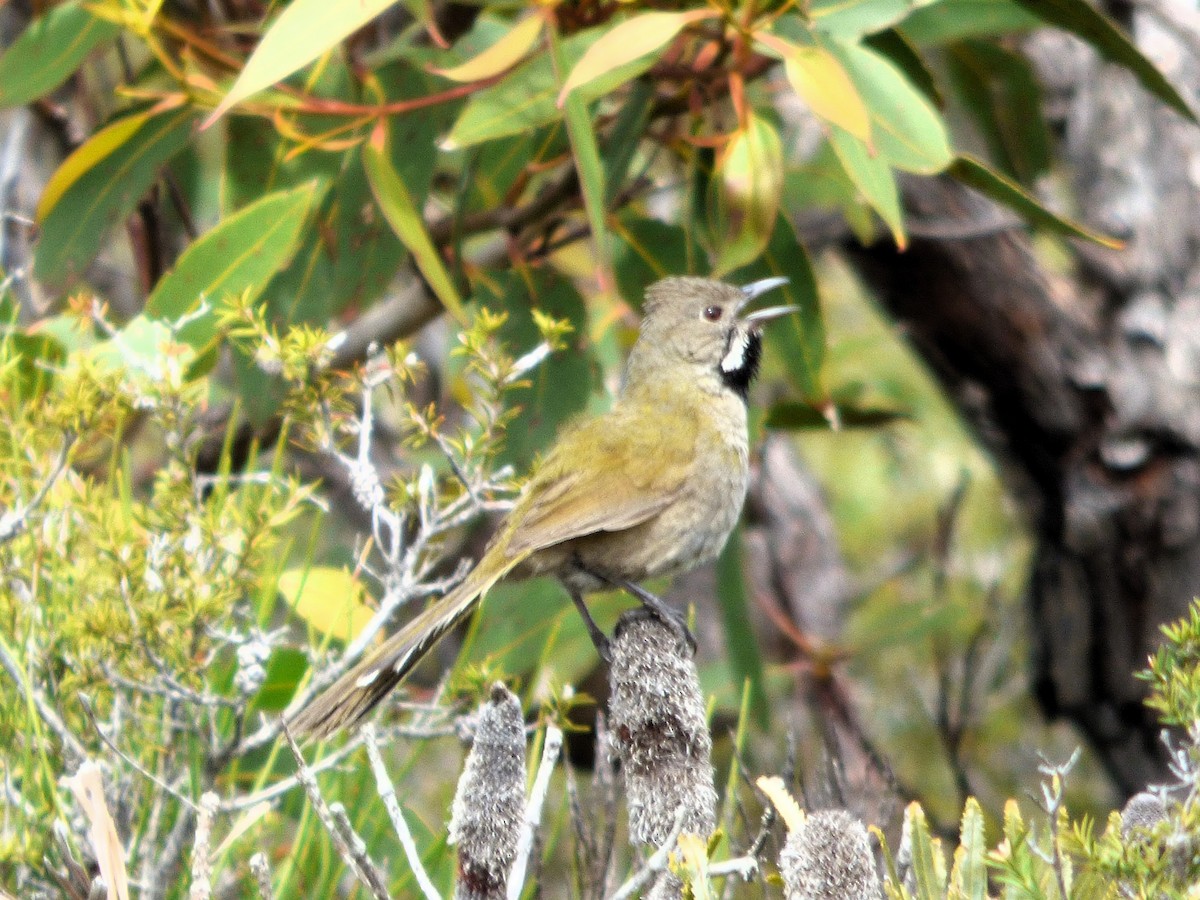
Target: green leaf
{"points": [[1000, 89], [799, 339], [904, 125], [740, 642], [100, 184], [855, 18], [1087, 23], [527, 97], [873, 179], [970, 869], [239, 255], [975, 172], [924, 868], [894, 46], [401, 212], [46, 53], [623, 139], [302, 32], [587, 162], [953, 20], [627, 42], [649, 249]]}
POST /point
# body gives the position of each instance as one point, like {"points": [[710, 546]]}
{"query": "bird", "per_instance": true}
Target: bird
{"points": [[651, 488]]}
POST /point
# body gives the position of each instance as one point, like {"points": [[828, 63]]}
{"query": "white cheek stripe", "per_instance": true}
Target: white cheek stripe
{"points": [[735, 358]]}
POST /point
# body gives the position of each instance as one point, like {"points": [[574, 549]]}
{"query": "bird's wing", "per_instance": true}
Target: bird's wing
{"points": [[607, 474]]}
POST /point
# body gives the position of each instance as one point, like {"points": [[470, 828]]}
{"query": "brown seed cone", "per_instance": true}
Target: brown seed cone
{"points": [[659, 730], [489, 805]]}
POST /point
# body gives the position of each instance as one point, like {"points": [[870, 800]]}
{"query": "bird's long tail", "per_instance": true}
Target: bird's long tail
{"points": [[351, 697]]}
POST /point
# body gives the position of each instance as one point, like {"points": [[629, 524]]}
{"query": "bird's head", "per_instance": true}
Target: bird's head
{"points": [[703, 324]]}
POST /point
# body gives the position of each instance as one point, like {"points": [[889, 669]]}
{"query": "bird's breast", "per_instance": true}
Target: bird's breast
{"points": [[692, 530]]}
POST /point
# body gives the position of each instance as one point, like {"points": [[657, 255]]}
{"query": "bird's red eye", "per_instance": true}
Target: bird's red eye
{"points": [[713, 313]]}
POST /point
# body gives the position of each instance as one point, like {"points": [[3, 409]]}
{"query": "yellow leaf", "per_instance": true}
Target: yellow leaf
{"points": [[86, 157], [501, 55], [329, 600], [302, 32], [823, 83], [789, 810], [630, 40]]}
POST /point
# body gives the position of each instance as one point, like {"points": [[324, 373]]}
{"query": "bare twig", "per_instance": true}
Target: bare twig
{"points": [[387, 793], [45, 710], [349, 845], [13, 521], [262, 876], [201, 888], [533, 811], [656, 863]]}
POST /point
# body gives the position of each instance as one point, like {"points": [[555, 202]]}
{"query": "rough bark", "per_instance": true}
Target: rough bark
{"points": [[1086, 389]]}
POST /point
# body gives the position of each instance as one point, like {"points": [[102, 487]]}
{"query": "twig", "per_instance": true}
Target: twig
{"points": [[387, 793], [284, 785], [742, 866], [47, 713], [201, 888], [262, 876], [349, 845], [656, 863], [12, 522], [533, 812]]}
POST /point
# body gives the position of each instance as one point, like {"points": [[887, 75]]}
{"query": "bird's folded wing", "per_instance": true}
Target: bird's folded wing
{"points": [[601, 479]]}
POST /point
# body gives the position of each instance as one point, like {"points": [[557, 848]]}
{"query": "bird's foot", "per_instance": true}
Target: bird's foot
{"points": [[672, 618]]}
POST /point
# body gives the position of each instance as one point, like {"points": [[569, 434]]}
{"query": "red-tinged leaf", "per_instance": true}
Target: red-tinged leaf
{"points": [[394, 199], [628, 41], [302, 32], [49, 49], [751, 173], [502, 55], [821, 81]]}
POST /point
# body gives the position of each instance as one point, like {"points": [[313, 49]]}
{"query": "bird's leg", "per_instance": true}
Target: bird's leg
{"points": [[594, 631], [655, 604]]}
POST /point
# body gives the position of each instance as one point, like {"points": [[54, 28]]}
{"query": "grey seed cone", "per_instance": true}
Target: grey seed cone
{"points": [[489, 805], [659, 730], [829, 858]]}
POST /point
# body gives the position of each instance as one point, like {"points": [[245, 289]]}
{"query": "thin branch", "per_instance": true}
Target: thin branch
{"points": [[349, 845], [533, 811], [387, 793], [656, 863], [12, 522]]}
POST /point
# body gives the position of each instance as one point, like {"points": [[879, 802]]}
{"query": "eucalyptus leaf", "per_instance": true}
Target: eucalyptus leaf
{"points": [[50, 48]]}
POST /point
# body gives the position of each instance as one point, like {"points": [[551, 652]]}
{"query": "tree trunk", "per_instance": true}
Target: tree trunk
{"points": [[1086, 389]]}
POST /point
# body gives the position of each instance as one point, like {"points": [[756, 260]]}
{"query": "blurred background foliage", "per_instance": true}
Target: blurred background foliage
{"points": [[220, 215]]}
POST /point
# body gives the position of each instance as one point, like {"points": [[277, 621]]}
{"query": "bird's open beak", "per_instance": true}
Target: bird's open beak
{"points": [[756, 289]]}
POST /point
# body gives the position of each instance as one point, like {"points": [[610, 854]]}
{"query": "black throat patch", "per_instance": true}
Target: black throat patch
{"points": [[742, 361]]}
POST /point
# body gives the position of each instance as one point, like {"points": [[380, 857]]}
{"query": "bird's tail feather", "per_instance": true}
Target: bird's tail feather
{"points": [[345, 702]]}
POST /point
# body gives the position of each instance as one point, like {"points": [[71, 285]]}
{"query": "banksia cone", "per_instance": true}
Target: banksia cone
{"points": [[489, 806], [828, 857], [658, 727]]}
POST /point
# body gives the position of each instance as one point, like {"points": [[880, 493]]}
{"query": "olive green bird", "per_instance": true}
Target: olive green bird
{"points": [[651, 488]]}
